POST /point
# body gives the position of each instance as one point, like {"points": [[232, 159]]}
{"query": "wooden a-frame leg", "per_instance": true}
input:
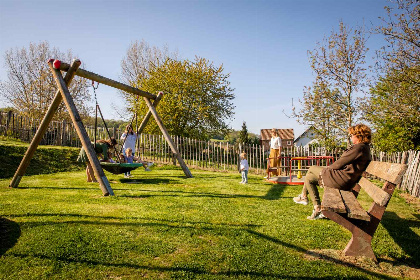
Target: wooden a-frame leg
{"points": [[149, 113], [168, 138], [81, 131], [20, 172]]}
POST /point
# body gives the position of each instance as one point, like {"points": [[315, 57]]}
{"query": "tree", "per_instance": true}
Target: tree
{"points": [[140, 59], [393, 104], [243, 135], [197, 100], [30, 87], [393, 109], [330, 105]]}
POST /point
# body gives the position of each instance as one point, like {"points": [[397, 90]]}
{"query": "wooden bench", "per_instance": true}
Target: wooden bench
{"points": [[343, 208]]}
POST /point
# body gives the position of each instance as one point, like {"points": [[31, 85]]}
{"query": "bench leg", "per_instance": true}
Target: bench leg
{"points": [[360, 242], [359, 245]]}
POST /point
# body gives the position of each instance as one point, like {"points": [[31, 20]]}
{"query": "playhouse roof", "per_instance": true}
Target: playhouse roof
{"points": [[284, 133]]}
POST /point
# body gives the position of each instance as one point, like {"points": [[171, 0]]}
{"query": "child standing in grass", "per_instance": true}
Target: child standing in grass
{"points": [[244, 169]]}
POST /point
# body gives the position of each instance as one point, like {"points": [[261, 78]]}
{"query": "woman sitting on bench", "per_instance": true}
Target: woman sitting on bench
{"points": [[343, 174]]}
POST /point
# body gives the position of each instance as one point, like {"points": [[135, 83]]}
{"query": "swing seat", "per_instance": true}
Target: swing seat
{"points": [[119, 168]]}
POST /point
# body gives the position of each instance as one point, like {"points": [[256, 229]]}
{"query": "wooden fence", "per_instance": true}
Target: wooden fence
{"points": [[212, 155], [216, 155], [58, 133]]}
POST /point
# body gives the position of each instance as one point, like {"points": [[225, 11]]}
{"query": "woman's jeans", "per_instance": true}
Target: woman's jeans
{"points": [[312, 182]]}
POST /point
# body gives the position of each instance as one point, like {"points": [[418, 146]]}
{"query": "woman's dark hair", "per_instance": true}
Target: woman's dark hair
{"points": [[110, 142], [127, 129], [362, 132]]}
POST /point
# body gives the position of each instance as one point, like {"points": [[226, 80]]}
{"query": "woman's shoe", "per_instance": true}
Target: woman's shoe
{"points": [[301, 200], [316, 215]]}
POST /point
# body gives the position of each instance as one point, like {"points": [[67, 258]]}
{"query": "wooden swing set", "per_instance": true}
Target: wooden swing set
{"points": [[63, 94]]}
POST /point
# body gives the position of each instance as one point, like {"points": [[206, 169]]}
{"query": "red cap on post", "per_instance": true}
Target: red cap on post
{"points": [[57, 64]]}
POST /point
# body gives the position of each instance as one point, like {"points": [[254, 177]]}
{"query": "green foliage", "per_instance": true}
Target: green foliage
{"points": [[243, 135], [198, 97], [47, 159], [163, 226], [393, 109], [7, 109], [233, 137]]}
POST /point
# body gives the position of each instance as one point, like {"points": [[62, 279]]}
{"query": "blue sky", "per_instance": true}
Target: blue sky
{"points": [[262, 44]]}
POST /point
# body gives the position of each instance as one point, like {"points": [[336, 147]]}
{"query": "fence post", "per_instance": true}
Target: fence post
{"points": [[9, 117], [238, 157]]}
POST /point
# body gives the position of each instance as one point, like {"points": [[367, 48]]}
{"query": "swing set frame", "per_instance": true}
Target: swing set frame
{"points": [[63, 94]]}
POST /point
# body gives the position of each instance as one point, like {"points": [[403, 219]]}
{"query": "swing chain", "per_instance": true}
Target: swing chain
{"points": [[94, 91], [98, 109]]}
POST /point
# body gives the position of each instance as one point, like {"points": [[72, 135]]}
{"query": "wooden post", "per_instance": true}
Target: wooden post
{"points": [[168, 138], [81, 131], [42, 128], [149, 114]]}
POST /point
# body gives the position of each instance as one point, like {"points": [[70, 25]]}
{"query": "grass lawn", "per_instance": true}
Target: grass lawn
{"points": [[161, 225]]}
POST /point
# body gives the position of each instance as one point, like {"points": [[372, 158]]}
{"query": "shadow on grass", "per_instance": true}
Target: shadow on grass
{"points": [[186, 268], [320, 255], [274, 192], [149, 181], [58, 188], [401, 231], [161, 193], [9, 234]]}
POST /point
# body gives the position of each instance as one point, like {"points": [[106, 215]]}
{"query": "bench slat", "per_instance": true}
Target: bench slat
{"points": [[332, 201], [377, 194], [392, 172], [354, 210]]}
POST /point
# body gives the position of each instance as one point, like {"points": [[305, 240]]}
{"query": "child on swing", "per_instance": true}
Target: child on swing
{"points": [[130, 158]]}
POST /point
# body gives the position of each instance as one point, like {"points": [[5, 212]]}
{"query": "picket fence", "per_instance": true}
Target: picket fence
{"points": [[211, 155]]}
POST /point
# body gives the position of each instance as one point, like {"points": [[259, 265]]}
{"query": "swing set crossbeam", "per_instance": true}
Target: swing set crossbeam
{"points": [[106, 81]]}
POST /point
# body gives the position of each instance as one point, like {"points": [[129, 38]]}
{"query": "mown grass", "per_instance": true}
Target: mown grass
{"points": [[46, 159], [161, 225]]}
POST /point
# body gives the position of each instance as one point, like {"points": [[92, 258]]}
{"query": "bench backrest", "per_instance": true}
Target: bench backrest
{"points": [[392, 173]]}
